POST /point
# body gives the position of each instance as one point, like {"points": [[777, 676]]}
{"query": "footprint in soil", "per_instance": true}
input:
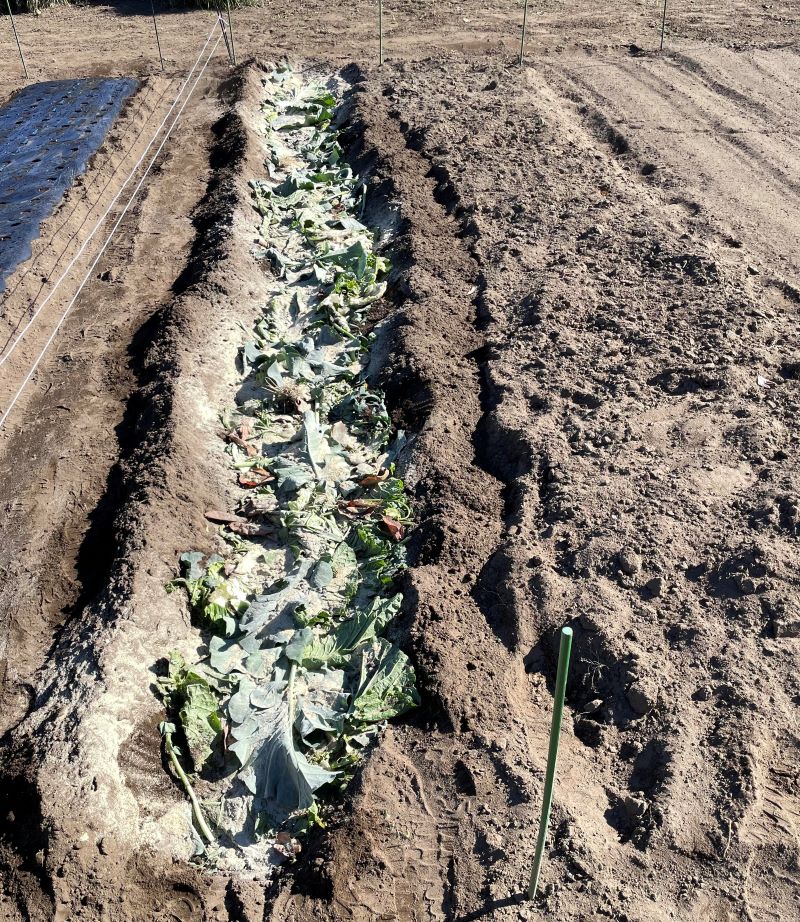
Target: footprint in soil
{"points": [[185, 907]]}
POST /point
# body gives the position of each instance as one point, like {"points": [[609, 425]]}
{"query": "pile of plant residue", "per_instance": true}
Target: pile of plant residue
{"points": [[298, 675]]}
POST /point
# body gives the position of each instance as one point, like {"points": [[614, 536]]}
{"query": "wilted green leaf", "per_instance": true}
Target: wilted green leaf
{"points": [[387, 685], [189, 694]]}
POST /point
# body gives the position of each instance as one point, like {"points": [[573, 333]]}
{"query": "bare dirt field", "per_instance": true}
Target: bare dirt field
{"points": [[591, 327]]}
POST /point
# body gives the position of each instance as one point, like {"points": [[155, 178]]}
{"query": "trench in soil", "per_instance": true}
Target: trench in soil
{"points": [[65, 466]]}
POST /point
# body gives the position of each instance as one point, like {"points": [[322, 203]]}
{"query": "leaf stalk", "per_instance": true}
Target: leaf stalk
{"points": [[202, 825]]}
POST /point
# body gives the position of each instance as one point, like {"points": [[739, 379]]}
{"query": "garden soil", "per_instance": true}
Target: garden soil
{"points": [[592, 328]]}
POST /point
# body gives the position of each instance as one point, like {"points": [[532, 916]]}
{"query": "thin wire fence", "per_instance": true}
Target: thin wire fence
{"points": [[6, 355], [389, 20], [34, 264]]}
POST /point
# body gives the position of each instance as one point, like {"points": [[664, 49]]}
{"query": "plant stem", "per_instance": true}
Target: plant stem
{"points": [[290, 693], [202, 825], [552, 756]]}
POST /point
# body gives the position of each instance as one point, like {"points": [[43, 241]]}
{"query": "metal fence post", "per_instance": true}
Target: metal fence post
{"points": [[158, 40], [230, 29], [16, 38], [524, 27], [380, 31]]}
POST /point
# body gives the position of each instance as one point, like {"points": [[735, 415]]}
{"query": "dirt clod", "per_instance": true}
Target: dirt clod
{"points": [[642, 697]]}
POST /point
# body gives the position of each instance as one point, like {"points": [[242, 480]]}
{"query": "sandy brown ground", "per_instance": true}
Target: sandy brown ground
{"points": [[593, 328]]}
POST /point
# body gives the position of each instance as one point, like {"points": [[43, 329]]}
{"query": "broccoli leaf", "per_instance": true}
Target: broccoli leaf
{"points": [[189, 692], [386, 688], [280, 776]]}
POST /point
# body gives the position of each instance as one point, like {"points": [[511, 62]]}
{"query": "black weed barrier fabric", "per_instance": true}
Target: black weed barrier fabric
{"points": [[48, 132]]}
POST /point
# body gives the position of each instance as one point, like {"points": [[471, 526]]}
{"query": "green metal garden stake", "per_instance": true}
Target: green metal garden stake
{"points": [[552, 756]]}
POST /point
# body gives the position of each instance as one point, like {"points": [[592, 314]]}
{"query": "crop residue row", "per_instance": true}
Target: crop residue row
{"points": [[297, 676]]}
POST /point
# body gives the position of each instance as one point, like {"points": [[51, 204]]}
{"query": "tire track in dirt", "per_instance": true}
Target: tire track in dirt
{"points": [[719, 85], [774, 818], [731, 122], [745, 165]]}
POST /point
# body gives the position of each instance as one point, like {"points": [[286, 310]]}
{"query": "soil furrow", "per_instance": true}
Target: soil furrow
{"points": [[420, 773], [619, 443], [682, 102], [91, 368]]}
